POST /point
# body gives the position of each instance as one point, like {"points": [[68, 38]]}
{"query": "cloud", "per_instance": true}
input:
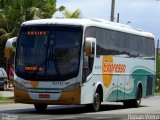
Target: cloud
{"points": [[143, 14], [89, 8]]}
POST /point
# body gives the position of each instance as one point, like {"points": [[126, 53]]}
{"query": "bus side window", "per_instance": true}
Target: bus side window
{"points": [[91, 58], [87, 66], [85, 63]]}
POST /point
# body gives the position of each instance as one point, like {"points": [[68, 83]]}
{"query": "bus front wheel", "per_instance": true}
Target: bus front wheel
{"points": [[95, 106], [40, 107]]}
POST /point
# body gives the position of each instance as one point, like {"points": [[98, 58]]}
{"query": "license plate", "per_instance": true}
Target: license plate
{"points": [[44, 96]]}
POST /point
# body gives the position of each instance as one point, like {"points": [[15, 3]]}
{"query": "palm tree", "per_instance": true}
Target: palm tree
{"points": [[14, 12], [4, 3], [69, 14]]}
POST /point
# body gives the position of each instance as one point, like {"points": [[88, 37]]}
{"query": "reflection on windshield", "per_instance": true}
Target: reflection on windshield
{"points": [[53, 55]]}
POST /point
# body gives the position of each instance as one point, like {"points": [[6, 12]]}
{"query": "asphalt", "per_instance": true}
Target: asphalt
{"points": [[149, 110]]}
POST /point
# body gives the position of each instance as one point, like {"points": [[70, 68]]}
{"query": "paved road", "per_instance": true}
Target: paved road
{"points": [[108, 111]]}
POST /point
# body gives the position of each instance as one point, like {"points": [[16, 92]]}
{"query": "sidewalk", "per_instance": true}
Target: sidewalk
{"points": [[8, 93]]}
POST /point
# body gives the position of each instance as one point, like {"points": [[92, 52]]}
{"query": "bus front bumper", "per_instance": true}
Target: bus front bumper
{"points": [[65, 98]]}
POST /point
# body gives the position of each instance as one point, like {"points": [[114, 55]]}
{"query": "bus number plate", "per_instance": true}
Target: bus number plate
{"points": [[44, 96]]}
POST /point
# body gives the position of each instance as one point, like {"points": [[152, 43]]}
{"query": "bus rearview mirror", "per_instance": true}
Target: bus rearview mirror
{"points": [[89, 46]]}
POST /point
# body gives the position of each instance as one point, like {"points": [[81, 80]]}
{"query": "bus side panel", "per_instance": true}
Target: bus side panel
{"points": [[142, 73], [93, 80], [124, 85], [147, 86], [87, 91], [120, 78], [150, 85]]}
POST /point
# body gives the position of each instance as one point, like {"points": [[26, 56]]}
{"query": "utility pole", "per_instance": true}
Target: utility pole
{"points": [[157, 48], [112, 10], [118, 18]]}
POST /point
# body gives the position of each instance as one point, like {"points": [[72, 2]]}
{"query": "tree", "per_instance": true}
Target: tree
{"points": [[14, 12], [158, 71], [68, 14], [17, 11]]}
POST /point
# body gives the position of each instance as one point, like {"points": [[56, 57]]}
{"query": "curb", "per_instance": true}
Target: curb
{"points": [[9, 93]]}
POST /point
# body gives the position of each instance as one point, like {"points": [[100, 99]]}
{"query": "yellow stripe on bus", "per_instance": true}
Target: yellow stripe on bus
{"points": [[107, 75]]}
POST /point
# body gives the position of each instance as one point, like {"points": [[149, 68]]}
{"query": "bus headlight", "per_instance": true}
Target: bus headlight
{"points": [[72, 87], [19, 86]]}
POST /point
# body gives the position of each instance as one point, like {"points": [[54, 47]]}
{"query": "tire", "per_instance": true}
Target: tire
{"points": [[40, 107], [135, 102], [95, 106], [5, 87]]}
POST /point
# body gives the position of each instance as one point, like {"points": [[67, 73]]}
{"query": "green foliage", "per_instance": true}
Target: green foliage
{"points": [[61, 8], [14, 12], [157, 93], [4, 3], [6, 100], [48, 7], [158, 72], [69, 14], [158, 66]]}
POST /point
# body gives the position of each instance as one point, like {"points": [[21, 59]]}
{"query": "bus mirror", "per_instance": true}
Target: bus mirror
{"points": [[89, 46], [10, 47]]}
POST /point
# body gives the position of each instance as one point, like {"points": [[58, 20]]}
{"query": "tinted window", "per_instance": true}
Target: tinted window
{"points": [[111, 42], [48, 52]]}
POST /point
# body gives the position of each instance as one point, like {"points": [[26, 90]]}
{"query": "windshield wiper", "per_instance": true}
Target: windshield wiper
{"points": [[51, 58]]}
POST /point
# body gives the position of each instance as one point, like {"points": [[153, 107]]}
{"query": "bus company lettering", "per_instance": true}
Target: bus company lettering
{"points": [[114, 68]]}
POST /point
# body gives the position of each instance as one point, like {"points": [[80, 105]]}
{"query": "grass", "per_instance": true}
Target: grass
{"points": [[6, 100], [157, 93]]}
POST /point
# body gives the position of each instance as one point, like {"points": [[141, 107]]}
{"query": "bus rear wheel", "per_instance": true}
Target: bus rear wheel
{"points": [[40, 107], [135, 102]]}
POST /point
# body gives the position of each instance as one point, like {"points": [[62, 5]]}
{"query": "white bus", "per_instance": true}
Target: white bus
{"points": [[82, 61]]}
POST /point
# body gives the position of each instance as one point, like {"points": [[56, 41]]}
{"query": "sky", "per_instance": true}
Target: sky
{"points": [[142, 14]]}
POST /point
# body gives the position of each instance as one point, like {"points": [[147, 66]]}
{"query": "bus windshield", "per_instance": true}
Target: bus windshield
{"points": [[48, 52]]}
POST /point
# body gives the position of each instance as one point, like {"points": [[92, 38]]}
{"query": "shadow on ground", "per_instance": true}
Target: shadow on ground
{"points": [[65, 109]]}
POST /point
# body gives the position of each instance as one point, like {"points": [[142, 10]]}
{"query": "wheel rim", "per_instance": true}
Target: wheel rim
{"points": [[97, 102], [4, 87], [139, 97]]}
